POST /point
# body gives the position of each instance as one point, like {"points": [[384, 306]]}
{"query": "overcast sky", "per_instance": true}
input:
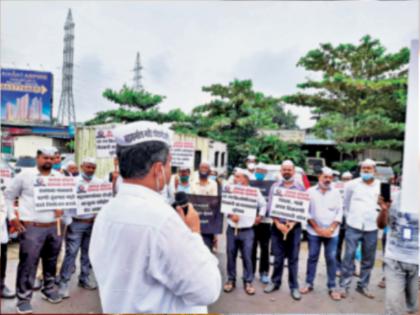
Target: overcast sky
{"points": [[185, 45]]}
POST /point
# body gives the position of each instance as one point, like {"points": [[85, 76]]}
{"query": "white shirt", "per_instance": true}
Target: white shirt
{"points": [[403, 235], [247, 221], [209, 189], [22, 186], [4, 238], [361, 204], [146, 260], [325, 208]]}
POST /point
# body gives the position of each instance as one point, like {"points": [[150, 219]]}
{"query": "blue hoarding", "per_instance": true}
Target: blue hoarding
{"points": [[26, 96]]}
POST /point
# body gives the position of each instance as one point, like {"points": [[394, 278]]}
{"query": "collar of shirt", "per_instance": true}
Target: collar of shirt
{"points": [[323, 192], [295, 185]]}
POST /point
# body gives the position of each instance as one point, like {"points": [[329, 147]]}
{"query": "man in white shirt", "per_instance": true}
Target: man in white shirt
{"points": [[147, 256], [38, 237], [325, 215], [401, 257], [240, 236], [360, 207], [78, 236]]}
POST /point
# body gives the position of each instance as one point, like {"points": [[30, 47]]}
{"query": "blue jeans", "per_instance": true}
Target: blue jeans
{"points": [[243, 242], [78, 237], [330, 248], [369, 241], [289, 249]]}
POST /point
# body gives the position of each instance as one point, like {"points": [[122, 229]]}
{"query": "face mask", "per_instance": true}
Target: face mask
{"points": [[86, 176], [259, 176], [56, 166], [367, 176], [184, 179], [203, 175], [75, 174], [213, 177]]}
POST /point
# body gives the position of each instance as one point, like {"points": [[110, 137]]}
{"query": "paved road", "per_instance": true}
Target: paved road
{"points": [[83, 301]]}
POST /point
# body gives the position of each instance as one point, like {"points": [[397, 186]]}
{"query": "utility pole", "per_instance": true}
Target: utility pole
{"points": [[66, 111]]}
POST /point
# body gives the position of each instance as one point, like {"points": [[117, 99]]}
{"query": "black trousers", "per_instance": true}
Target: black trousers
{"points": [[262, 238], [3, 265], [340, 245], [36, 243]]}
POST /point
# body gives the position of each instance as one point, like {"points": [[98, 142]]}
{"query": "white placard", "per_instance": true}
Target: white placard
{"points": [[105, 143], [182, 153], [53, 193], [340, 187], [239, 200], [6, 176], [92, 197], [290, 205]]}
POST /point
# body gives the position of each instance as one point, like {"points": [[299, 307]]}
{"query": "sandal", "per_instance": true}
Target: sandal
{"points": [[306, 290], [229, 286], [249, 289], [334, 295]]}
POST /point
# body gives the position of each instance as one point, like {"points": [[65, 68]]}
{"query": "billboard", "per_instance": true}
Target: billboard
{"points": [[26, 96]]}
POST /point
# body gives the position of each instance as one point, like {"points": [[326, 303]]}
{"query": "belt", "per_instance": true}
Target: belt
{"points": [[91, 220], [241, 229], [39, 224]]}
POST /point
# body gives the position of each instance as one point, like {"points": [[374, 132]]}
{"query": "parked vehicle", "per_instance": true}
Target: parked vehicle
{"points": [[25, 162]]}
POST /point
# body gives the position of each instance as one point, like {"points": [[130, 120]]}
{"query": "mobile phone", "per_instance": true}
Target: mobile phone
{"points": [[386, 192]]}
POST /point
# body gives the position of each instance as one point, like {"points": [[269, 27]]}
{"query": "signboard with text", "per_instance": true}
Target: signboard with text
{"points": [[208, 207], [239, 200], [290, 205], [182, 153], [105, 143], [52, 193], [92, 197]]}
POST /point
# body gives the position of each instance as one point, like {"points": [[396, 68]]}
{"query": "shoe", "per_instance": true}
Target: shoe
{"points": [[6, 293], [87, 285], [53, 297], [295, 294], [24, 307], [344, 293], [271, 287], [264, 278], [37, 284], [63, 290], [365, 292]]}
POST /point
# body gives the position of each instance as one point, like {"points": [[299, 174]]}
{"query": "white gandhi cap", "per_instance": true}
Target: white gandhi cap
{"points": [[244, 172], [251, 157], [347, 175], [368, 162], [327, 171], [140, 132], [89, 160], [50, 151]]}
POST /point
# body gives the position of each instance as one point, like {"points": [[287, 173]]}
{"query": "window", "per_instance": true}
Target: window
{"points": [[216, 158], [222, 159]]}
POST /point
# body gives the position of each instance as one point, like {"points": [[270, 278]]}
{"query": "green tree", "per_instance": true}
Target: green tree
{"points": [[130, 98], [360, 96], [236, 114]]}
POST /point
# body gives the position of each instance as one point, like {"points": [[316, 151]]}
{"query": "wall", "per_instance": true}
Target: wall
{"points": [[28, 145]]}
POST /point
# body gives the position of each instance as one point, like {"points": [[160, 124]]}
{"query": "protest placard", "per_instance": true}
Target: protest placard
{"points": [[105, 143], [6, 177], [92, 197], [263, 185], [290, 204], [52, 193], [208, 207], [182, 153], [239, 200]]}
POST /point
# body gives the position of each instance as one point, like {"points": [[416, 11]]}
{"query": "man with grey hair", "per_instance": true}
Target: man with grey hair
{"points": [[78, 235], [147, 257], [360, 206]]}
